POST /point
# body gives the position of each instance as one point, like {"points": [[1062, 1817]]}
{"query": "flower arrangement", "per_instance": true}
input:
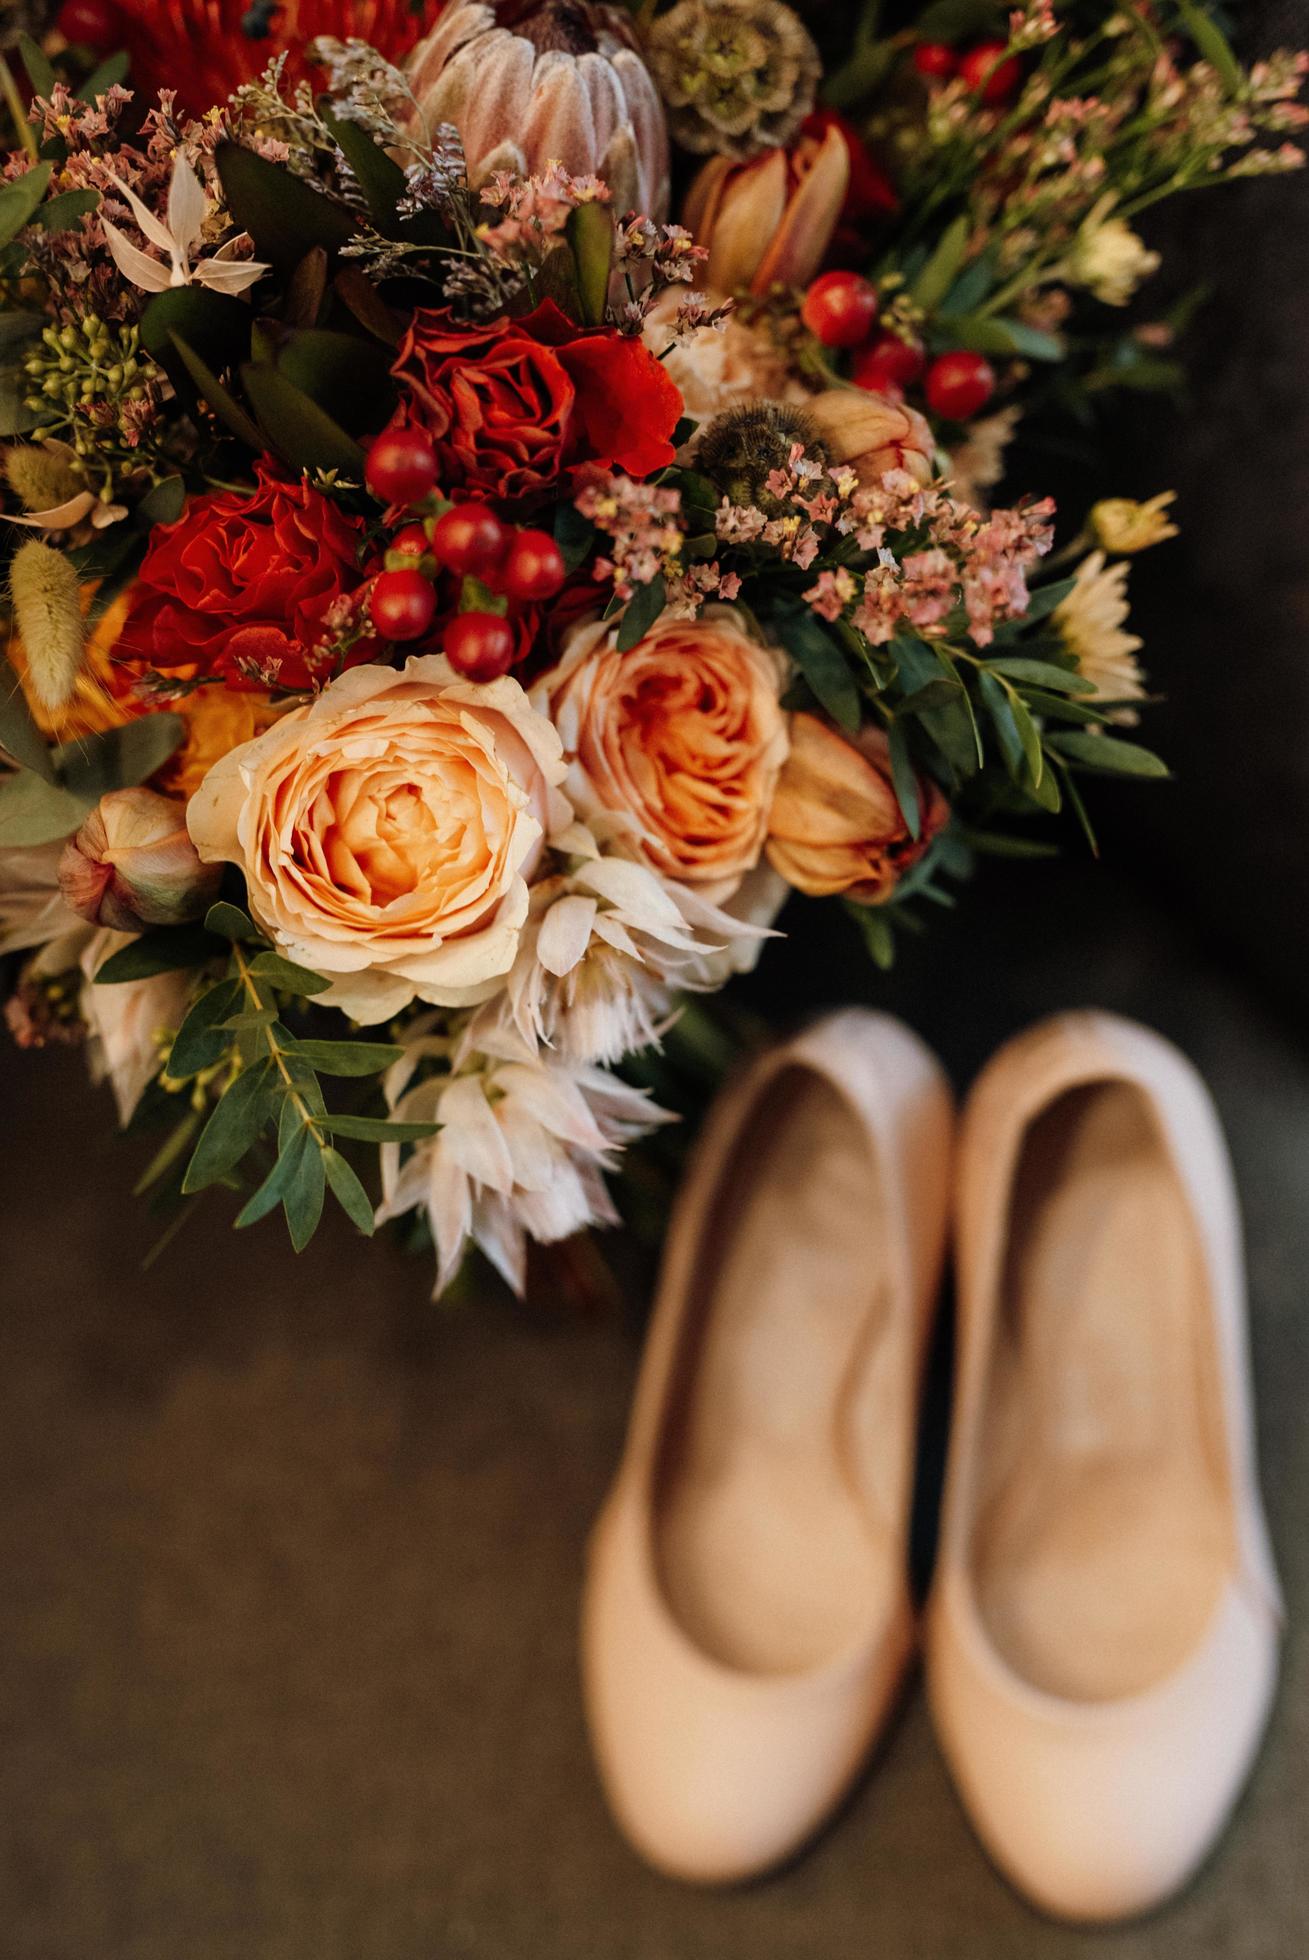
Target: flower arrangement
{"points": [[452, 603]]}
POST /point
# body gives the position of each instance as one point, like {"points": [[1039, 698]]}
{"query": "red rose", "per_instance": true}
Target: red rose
{"points": [[512, 405], [239, 585]]}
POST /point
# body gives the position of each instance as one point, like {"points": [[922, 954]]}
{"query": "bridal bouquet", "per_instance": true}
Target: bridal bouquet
{"points": [[497, 495]]}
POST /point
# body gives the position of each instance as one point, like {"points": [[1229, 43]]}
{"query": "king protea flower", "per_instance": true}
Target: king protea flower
{"points": [[528, 83], [207, 48]]}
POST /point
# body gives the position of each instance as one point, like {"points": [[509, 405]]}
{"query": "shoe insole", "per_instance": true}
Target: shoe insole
{"points": [[791, 1400], [1103, 1535]]}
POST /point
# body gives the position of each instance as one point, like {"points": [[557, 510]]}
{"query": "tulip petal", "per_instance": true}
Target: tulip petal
{"points": [[752, 208], [804, 234]]}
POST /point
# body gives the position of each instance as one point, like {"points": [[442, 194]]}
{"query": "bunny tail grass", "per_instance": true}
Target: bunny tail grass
{"points": [[48, 614]]}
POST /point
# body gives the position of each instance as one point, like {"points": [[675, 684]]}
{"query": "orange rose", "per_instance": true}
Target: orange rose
{"points": [[387, 832], [836, 823], [680, 739]]}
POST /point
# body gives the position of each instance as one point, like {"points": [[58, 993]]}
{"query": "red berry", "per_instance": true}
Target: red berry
{"points": [[411, 540], [402, 605], [534, 568], [480, 646], [889, 360], [471, 540], [935, 60], [958, 385], [401, 466], [986, 72], [94, 24], [840, 308]]}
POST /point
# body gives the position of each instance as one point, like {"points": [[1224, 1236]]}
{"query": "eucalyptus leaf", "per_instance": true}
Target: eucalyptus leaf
{"points": [[999, 707], [35, 811], [271, 1192], [286, 976], [165, 949], [1108, 755], [904, 779], [590, 235], [823, 664], [201, 1040], [238, 1117], [119, 758], [19, 735], [16, 418], [574, 535], [348, 1191], [68, 209], [1011, 337], [1212, 43], [642, 610], [20, 198], [99, 82], [282, 213], [941, 270], [40, 69], [220, 398], [378, 1129], [163, 503], [340, 368], [230, 922], [347, 1057], [359, 296], [302, 1200], [305, 434], [381, 180]]}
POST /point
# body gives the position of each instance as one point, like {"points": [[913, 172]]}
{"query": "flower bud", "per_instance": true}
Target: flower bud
{"points": [[1122, 525], [871, 434], [769, 222], [132, 864], [836, 823]]}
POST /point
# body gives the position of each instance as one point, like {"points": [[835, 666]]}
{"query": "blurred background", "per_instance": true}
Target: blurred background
{"points": [[292, 1556]]}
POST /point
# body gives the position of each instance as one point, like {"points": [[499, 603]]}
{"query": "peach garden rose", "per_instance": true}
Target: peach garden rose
{"points": [[681, 737], [387, 832], [836, 824]]}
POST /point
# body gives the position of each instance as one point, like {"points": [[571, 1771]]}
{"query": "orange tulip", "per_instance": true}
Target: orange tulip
{"points": [[769, 222]]}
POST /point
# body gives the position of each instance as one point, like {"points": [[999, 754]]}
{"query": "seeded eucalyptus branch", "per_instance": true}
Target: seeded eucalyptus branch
{"points": [[238, 1054]]}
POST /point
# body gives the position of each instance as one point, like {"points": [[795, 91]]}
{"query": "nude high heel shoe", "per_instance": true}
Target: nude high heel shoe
{"points": [[747, 1616], [1104, 1624]]}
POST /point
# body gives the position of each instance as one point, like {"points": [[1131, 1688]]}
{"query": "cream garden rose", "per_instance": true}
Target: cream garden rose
{"points": [[388, 831], [682, 737]]}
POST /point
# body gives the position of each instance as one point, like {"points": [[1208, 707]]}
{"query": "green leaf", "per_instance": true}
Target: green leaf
{"points": [[16, 419], [1029, 737], [304, 433], [302, 1201], [381, 180], [934, 694], [878, 934], [347, 1057], [286, 976], [349, 1192], [641, 612], [16, 327], [1005, 337], [201, 1040], [938, 275], [220, 398], [40, 69], [1041, 673], [168, 1153], [574, 535], [163, 504], [237, 1120], [19, 735], [213, 325], [359, 296], [823, 665], [99, 82], [307, 289], [999, 707], [904, 779], [333, 368], [1212, 43], [165, 949], [1109, 756], [590, 235], [34, 811], [1045, 598], [119, 758], [282, 213], [230, 922], [378, 1129], [1080, 811], [274, 1187], [68, 209], [996, 843]]}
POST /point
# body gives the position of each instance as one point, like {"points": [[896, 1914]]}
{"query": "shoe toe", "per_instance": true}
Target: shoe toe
{"points": [[1101, 1813]]}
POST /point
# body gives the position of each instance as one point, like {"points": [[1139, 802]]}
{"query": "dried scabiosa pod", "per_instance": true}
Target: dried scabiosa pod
{"points": [[738, 75], [739, 450]]}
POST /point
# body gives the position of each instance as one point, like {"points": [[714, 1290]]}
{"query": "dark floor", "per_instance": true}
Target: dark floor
{"points": [[291, 1561]]}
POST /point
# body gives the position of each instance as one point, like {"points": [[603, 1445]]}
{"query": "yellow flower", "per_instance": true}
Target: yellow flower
{"points": [[1122, 525], [1090, 621], [218, 720], [1107, 257]]}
